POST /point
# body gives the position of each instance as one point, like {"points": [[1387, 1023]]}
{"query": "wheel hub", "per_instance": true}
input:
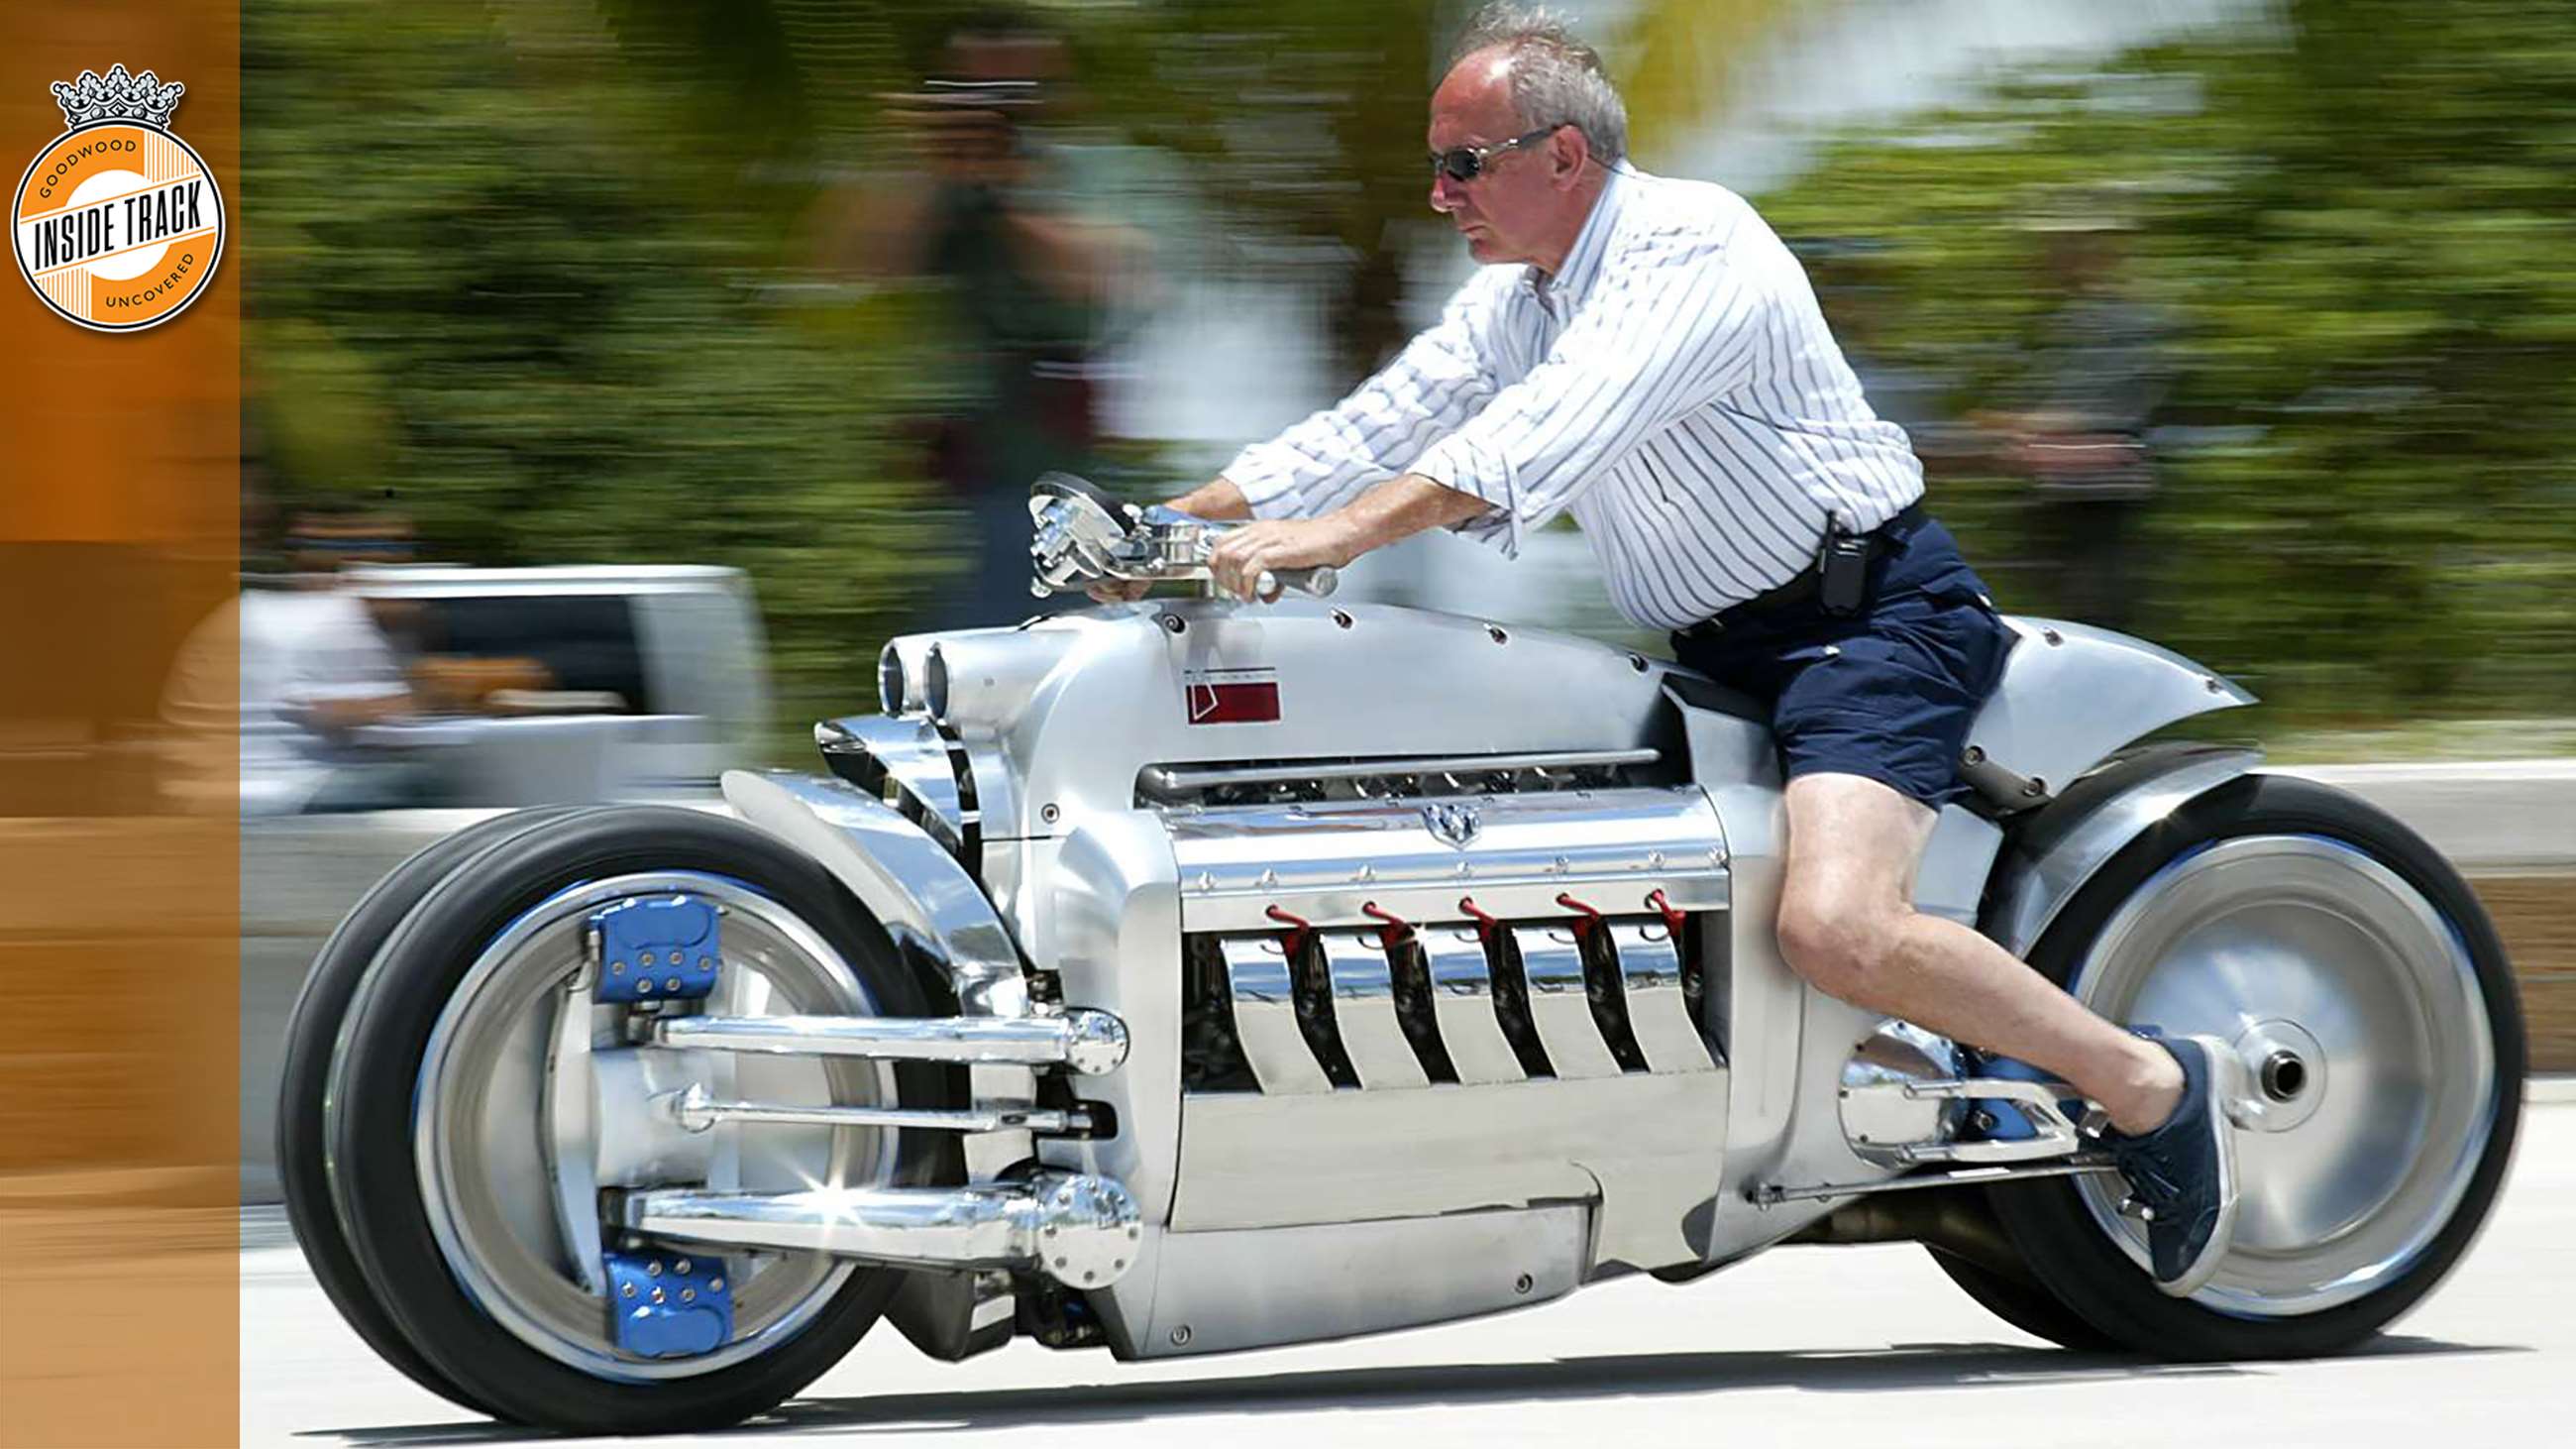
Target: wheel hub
{"points": [[2287, 1066]]}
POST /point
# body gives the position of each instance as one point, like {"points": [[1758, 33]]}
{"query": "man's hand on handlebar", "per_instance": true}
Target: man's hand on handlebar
{"points": [[1278, 545]]}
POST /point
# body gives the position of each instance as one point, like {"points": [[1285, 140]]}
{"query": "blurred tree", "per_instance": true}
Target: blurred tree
{"points": [[2366, 220], [509, 261]]}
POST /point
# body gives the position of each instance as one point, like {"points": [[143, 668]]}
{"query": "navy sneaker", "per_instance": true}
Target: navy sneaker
{"points": [[2182, 1175]]}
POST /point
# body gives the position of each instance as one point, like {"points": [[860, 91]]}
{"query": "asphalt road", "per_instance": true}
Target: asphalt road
{"points": [[1867, 1345]]}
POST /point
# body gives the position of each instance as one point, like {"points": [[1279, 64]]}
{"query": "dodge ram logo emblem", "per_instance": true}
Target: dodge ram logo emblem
{"points": [[1456, 824]]}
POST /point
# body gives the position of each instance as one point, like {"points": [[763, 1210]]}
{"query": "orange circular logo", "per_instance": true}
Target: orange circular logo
{"points": [[118, 223]]}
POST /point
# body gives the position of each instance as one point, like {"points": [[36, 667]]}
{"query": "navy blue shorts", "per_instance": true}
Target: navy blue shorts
{"points": [[1887, 693]]}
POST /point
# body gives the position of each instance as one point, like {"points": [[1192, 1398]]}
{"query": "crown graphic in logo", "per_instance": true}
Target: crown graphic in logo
{"points": [[120, 97]]}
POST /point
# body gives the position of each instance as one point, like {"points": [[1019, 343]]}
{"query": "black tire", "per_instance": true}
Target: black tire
{"points": [[2023, 1304], [374, 1178], [312, 1030], [2047, 1221]]}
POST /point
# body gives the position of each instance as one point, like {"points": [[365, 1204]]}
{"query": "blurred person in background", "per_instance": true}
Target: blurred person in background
{"points": [[986, 210], [2081, 420], [1646, 355], [315, 669]]}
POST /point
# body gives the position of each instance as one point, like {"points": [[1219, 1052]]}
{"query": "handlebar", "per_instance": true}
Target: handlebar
{"points": [[1082, 540]]}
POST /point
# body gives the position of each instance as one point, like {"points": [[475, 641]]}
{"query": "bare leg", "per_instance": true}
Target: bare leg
{"points": [[1848, 925]]}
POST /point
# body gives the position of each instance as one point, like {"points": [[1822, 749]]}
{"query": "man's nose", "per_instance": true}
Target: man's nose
{"points": [[1446, 195]]}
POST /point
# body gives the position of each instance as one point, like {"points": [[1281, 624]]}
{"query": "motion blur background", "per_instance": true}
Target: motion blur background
{"points": [[2244, 325]]}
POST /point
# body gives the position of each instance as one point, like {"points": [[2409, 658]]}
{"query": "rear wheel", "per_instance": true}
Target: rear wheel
{"points": [[2021, 1302], [2365, 991], [446, 1136]]}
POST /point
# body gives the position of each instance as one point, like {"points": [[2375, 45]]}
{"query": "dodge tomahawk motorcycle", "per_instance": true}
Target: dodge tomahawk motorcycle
{"points": [[1185, 976]]}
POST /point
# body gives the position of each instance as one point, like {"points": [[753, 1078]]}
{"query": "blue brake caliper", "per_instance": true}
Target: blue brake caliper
{"points": [[668, 1305], [663, 1304], [653, 950]]}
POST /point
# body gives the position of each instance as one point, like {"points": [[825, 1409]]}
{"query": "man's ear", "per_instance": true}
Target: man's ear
{"points": [[1566, 154]]}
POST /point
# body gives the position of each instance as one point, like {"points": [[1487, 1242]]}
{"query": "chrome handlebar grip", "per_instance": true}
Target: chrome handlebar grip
{"points": [[1315, 583]]}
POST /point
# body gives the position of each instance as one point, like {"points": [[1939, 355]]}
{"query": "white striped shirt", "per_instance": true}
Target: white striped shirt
{"points": [[1674, 387]]}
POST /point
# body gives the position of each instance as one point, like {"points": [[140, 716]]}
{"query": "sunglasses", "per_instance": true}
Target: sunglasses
{"points": [[1466, 163]]}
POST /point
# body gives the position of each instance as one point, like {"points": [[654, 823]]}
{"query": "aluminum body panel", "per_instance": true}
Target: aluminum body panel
{"points": [[1560, 1003], [1462, 1005], [1363, 987], [1234, 1290], [1642, 1145], [1107, 922], [2029, 893], [1265, 1016], [1786, 1043], [1078, 704], [1951, 882]]}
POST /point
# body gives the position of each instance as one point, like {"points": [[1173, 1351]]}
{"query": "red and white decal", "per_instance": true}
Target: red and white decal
{"points": [[1231, 696]]}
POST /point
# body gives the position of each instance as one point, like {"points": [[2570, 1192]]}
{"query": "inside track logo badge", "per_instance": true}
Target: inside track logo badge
{"points": [[118, 223]]}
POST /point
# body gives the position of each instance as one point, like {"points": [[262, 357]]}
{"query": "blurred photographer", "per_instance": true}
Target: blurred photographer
{"points": [[980, 210]]}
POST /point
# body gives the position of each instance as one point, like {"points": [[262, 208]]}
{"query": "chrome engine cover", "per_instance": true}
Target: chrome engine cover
{"points": [[1431, 932]]}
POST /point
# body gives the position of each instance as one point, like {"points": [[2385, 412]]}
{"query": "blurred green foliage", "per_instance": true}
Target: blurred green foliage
{"points": [[534, 266], [2365, 223], [513, 263]]}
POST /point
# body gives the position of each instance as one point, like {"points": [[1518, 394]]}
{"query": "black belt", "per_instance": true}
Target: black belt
{"points": [[1810, 580]]}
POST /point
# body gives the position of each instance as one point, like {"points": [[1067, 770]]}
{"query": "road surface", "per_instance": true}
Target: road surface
{"points": [[1811, 1346]]}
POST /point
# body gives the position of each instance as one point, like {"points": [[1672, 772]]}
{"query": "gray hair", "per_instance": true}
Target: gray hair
{"points": [[1555, 76]]}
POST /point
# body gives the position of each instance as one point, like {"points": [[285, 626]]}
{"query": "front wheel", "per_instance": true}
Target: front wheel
{"points": [[2364, 989], [457, 1162]]}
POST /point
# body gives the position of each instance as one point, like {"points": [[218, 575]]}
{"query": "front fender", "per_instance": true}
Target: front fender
{"points": [[934, 910]]}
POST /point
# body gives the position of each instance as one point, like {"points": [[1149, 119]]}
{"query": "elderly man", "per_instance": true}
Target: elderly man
{"points": [[1645, 354]]}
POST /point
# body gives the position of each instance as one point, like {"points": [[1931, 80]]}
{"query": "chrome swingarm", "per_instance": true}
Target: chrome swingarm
{"points": [[634, 1097], [1081, 1230]]}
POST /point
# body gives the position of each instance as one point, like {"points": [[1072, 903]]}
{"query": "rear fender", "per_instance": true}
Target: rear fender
{"points": [[2072, 694], [2054, 851]]}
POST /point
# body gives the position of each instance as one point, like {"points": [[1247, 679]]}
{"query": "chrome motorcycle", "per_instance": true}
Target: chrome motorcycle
{"points": [[1189, 975]]}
